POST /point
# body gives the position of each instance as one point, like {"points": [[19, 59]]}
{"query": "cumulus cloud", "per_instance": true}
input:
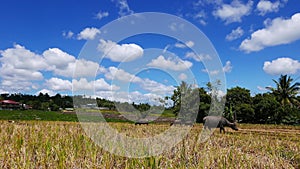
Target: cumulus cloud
{"points": [[134, 96], [188, 44], [46, 91], [174, 26], [15, 86], [198, 58], [88, 34], [64, 64], [114, 73], [98, 85], [21, 58], [20, 68], [100, 15], [265, 6], [235, 34], [201, 17], [123, 7], [120, 53], [282, 66], [233, 12], [85, 68], [117, 74], [57, 84], [68, 34], [156, 87], [277, 32], [169, 63], [226, 69], [57, 59]]}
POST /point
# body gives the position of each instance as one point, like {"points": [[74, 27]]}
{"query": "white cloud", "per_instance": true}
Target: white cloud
{"points": [[21, 58], [88, 34], [226, 69], [235, 34], [176, 26], [85, 68], [212, 72], [265, 6], [282, 66], [261, 88], [46, 91], [23, 70], [182, 76], [156, 87], [188, 44], [123, 7], [277, 32], [114, 73], [130, 97], [100, 15], [102, 85], [15, 86], [63, 64], [200, 17], [169, 63], [68, 34], [20, 66], [233, 12], [3, 91], [99, 85], [57, 84], [82, 84], [120, 53], [57, 59], [198, 58]]}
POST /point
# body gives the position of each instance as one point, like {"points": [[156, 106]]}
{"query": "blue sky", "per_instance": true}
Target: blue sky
{"points": [[41, 43]]}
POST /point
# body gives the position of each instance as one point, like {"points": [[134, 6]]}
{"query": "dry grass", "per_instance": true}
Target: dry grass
{"points": [[65, 145]]}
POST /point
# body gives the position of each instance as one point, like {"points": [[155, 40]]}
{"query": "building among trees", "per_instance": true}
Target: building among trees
{"points": [[9, 105]]}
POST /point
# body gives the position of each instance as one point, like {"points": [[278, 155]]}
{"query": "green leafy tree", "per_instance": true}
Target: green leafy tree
{"points": [[266, 108], [217, 99], [238, 100], [204, 105], [176, 97], [286, 91], [186, 102], [245, 113]]}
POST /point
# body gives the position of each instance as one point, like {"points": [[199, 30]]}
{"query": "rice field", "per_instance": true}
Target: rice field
{"points": [[42, 144]]}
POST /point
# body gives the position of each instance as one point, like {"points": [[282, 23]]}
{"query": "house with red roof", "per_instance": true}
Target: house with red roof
{"points": [[9, 105]]}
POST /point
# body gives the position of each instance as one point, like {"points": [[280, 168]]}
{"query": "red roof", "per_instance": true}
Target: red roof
{"points": [[9, 102]]}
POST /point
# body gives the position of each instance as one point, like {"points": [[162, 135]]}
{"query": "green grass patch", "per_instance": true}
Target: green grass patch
{"points": [[36, 115]]}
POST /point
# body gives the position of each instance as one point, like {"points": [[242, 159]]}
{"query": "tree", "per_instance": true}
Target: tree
{"points": [[217, 98], [239, 100], [285, 91], [204, 106], [266, 108], [245, 113], [186, 102]]}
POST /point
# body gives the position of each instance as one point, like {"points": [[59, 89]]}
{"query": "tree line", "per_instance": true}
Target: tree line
{"points": [[280, 105]]}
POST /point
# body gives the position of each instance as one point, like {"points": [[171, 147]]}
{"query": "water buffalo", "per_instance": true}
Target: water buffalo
{"points": [[218, 122]]}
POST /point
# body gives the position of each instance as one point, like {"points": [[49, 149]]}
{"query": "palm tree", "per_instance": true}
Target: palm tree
{"points": [[285, 91]]}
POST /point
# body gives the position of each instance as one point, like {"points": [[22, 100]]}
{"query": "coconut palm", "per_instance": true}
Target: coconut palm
{"points": [[285, 91]]}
